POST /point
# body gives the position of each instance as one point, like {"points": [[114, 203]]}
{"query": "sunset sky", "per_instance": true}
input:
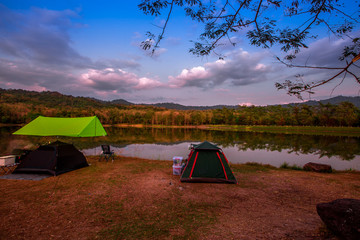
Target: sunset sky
{"points": [[92, 48]]}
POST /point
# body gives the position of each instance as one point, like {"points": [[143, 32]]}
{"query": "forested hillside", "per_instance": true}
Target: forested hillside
{"points": [[20, 106]]}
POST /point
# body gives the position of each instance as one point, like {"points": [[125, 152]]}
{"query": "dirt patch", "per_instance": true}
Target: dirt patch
{"points": [[141, 199]]}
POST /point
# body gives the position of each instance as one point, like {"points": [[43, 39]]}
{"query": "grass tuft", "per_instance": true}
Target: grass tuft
{"points": [[285, 165], [251, 167]]}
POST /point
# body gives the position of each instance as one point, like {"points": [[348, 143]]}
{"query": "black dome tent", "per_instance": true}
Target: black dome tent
{"points": [[55, 158], [207, 163]]}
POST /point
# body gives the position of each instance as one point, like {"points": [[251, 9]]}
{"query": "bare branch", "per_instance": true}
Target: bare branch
{"points": [[221, 12], [305, 66], [328, 26], [315, 17], [342, 80], [160, 37], [229, 26], [297, 89], [257, 14], [356, 77], [346, 15]]}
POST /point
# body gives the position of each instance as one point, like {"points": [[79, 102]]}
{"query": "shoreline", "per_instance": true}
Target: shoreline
{"points": [[308, 130]]}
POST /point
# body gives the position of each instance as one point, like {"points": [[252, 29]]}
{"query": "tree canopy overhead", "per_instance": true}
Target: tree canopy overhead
{"points": [[287, 25]]}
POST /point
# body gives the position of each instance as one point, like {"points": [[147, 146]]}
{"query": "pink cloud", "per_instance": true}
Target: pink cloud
{"points": [[111, 79], [147, 83], [239, 69], [186, 76], [248, 104]]}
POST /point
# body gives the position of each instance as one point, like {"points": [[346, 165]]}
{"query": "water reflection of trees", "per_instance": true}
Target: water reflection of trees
{"points": [[344, 147]]}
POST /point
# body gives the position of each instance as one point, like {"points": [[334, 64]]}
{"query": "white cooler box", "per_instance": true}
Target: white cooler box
{"points": [[7, 160], [177, 170]]}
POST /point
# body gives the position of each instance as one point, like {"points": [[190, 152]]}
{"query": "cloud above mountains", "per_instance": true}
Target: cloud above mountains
{"points": [[239, 69], [117, 80]]}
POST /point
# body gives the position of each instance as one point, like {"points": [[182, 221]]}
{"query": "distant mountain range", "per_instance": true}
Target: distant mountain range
{"points": [[121, 102], [176, 106], [334, 100], [55, 98]]}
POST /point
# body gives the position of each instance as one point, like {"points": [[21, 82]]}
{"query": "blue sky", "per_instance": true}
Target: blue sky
{"points": [[92, 48]]}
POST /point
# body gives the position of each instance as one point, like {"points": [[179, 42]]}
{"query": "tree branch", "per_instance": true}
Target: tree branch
{"points": [[229, 26], [160, 37], [297, 89], [305, 66], [315, 17], [257, 14]]}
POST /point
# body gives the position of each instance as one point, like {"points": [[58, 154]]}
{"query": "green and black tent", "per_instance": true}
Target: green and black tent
{"points": [[207, 163]]}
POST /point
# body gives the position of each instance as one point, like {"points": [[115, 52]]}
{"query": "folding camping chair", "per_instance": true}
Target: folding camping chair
{"points": [[106, 153]]}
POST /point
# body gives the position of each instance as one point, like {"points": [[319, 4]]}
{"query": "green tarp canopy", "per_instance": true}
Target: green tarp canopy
{"points": [[70, 127]]}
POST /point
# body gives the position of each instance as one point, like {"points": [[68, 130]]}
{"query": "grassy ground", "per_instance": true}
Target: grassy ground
{"points": [[141, 199]]}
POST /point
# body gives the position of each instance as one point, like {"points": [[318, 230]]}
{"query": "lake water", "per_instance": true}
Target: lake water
{"points": [[239, 147]]}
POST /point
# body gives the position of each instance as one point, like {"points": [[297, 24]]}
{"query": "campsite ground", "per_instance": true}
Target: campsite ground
{"points": [[141, 199]]}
